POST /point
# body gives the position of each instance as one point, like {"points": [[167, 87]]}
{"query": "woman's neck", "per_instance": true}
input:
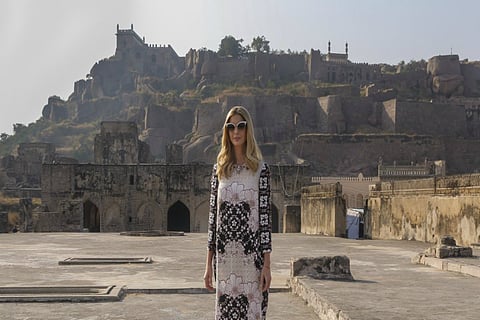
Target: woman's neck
{"points": [[239, 156]]}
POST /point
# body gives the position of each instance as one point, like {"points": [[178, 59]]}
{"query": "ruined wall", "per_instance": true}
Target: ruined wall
{"points": [[426, 209], [288, 66], [332, 155], [323, 210], [354, 189], [232, 69], [471, 74], [163, 125], [462, 155], [426, 118], [112, 198], [117, 143], [126, 197]]}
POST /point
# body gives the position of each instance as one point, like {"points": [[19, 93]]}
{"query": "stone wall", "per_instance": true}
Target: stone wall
{"points": [[354, 189], [332, 155], [112, 198], [426, 209], [323, 210], [426, 118]]}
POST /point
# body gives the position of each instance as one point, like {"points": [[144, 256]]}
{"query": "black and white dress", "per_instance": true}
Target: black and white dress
{"points": [[239, 233]]}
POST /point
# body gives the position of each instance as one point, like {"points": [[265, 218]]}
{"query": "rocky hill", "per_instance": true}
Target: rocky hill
{"points": [[308, 108]]}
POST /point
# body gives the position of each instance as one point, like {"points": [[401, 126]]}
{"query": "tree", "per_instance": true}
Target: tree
{"points": [[229, 46], [260, 44]]}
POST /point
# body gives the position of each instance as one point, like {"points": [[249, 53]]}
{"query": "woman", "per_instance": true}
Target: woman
{"points": [[239, 232]]}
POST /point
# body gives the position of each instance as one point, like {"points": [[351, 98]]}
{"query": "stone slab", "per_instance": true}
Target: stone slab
{"points": [[97, 260], [62, 294]]}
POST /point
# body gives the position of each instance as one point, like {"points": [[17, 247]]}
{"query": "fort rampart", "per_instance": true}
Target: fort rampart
{"points": [[426, 209]]}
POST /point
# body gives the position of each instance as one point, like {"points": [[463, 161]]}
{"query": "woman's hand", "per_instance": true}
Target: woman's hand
{"points": [[265, 278], [207, 278]]}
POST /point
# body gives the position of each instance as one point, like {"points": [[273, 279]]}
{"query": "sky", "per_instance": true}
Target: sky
{"points": [[47, 45]]}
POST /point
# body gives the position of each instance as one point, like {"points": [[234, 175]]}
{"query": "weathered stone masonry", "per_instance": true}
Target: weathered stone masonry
{"points": [[129, 197], [426, 209]]}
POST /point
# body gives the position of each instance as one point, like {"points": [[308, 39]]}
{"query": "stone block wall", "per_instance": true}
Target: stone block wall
{"points": [[426, 118], [332, 155], [323, 210], [426, 209]]}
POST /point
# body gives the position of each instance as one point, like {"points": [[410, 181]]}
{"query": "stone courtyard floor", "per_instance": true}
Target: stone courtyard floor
{"points": [[387, 284]]}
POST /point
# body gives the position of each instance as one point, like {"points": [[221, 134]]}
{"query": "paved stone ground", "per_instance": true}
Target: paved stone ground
{"points": [[387, 286]]}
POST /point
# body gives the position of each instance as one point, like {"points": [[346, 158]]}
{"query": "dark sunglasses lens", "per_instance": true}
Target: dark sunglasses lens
{"points": [[230, 126], [241, 125]]}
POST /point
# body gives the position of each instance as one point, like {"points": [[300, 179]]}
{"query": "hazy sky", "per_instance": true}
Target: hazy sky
{"points": [[47, 45]]}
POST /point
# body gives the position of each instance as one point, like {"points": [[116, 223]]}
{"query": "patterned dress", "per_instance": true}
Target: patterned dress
{"points": [[239, 233]]}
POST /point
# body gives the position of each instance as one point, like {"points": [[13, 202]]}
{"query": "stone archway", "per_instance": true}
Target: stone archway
{"points": [[149, 217], [112, 220], [178, 218], [201, 217], [91, 217]]}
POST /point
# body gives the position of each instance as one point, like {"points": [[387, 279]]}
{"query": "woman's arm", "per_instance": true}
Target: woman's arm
{"points": [[208, 276], [212, 228]]}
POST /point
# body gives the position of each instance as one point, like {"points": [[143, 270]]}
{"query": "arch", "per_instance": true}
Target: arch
{"points": [[112, 220], [178, 218], [275, 220], [201, 217], [91, 217], [149, 217]]}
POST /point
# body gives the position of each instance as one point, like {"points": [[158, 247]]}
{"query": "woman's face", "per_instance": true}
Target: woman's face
{"points": [[238, 131]]}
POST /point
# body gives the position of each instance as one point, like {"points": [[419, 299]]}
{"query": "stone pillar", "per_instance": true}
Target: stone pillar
{"points": [[292, 219], [3, 222]]}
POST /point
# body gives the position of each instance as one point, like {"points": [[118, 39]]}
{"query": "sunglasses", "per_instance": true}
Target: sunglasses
{"points": [[240, 125]]}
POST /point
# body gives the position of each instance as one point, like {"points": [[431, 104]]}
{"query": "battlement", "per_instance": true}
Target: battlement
{"points": [[129, 32]]}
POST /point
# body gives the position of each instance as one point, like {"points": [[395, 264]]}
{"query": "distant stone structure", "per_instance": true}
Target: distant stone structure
{"points": [[339, 130], [118, 143], [23, 171], [119, 193], [129, 86]]}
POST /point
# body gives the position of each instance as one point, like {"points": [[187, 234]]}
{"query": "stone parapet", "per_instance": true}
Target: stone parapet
{"points": [[322, 307]]}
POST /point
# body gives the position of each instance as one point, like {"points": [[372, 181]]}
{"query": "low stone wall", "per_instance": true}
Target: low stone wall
{"points": [[323, 210], [426, 209]]}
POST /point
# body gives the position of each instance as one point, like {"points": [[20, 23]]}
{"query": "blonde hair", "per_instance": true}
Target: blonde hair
{"points": [[226, 156]]}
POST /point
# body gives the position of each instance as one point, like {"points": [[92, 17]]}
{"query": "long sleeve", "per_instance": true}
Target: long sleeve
{"points": [[265, 210], [212, 215]]}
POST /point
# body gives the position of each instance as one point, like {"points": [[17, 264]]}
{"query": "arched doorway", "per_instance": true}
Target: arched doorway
{"points": [[91, 217], [178, 218], [111, 219], [274, 219]]}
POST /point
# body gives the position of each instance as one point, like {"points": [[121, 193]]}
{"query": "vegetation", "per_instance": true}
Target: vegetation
{"points": [[260, 44], [231, 47]]}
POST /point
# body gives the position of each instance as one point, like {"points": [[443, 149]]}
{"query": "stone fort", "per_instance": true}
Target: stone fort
{"points": [[152, 158]]}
